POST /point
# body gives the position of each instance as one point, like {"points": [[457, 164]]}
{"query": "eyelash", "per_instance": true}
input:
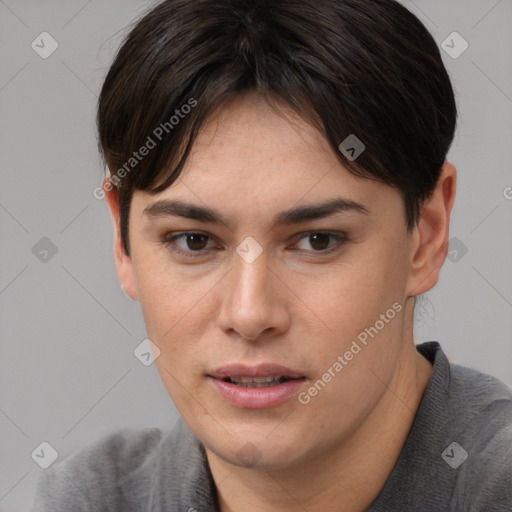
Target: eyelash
{"points": [[168, 242]]}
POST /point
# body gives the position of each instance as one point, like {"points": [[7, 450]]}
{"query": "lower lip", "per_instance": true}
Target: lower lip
{"points": [[257, 398]]}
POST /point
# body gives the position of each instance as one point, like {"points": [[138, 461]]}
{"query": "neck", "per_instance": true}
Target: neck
{"points": [[352, 474]]}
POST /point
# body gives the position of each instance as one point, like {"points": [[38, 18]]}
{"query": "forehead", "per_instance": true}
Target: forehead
{"points": [[247, 126], [254, 161], [261, 151]]}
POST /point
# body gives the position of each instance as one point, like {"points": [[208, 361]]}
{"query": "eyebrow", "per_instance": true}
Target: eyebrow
{"points": [[164, 208]]}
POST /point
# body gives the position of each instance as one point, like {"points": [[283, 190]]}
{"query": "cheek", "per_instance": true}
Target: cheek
{"points": [[355, 360], [177, 313], [352, 298], [170, 295], [359, 310]]}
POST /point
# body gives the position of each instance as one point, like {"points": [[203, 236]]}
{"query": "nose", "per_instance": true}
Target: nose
{"points": [[254, 300]]}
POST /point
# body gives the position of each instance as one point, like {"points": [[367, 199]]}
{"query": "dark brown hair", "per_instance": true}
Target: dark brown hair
{"points": [[363, 67]]}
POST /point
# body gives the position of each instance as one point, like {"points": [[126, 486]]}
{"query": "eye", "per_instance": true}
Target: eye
{"points": [[320, 242], [193, 243]]}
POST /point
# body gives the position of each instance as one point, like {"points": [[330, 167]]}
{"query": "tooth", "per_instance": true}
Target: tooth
{"points": [[259, 380], [264, 379], [257, 385]]}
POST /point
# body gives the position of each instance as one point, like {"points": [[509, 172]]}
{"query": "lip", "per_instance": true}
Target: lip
{"points": [[256, 398]]}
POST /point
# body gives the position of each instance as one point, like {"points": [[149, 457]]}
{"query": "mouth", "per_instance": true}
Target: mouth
{"points": [[258, 382], [256, 387]]}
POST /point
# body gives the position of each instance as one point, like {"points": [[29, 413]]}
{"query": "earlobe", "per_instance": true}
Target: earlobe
{"points": [[430, 243], [122, 261], [126, 294]]}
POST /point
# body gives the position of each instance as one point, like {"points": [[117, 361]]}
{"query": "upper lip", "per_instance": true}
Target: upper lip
{"points": [[260, 370]]}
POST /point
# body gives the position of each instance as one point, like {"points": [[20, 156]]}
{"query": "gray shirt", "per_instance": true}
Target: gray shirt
{"points": [[457, 457]]}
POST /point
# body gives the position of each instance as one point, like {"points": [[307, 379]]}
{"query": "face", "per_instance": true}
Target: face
{"points": [[273, 294]]}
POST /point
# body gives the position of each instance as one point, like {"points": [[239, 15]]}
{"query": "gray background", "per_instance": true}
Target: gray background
{"points": [[67, 369]]}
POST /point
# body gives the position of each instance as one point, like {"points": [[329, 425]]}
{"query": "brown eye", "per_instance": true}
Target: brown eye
{"points": [[321, 243], [195, 241], [192, 244]]}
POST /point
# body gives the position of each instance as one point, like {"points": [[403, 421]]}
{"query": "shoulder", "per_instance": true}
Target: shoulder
{"points": [[99, 475], [481, 398], [464, 397], [483, 405], [458, 455]]}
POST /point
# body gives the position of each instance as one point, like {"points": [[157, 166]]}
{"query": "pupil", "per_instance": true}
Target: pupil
{"points": [[194, 239], [314, 239]]}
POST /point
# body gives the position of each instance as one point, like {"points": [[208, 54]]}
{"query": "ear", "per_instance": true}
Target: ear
{"points": [[123, 262], [430, 238]]}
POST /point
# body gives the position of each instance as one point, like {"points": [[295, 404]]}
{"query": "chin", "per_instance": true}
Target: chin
{"points": [[256, 449], [251, 457]]}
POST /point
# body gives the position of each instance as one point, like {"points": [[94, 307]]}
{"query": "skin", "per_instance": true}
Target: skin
{"points": [[291, 306]]}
